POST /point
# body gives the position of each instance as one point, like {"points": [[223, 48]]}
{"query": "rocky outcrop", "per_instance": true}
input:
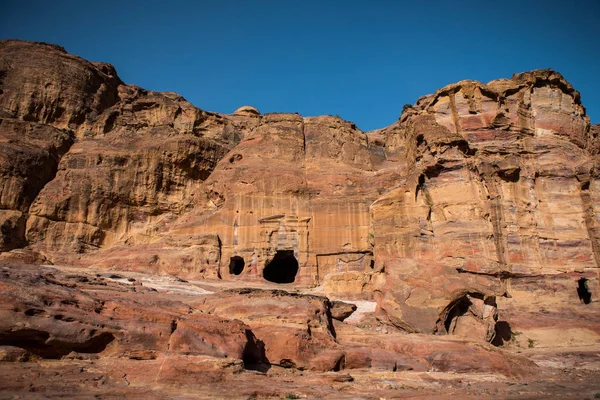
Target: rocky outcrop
{"points": [[80, 331], [43, 83], [296, 330], [248, 111], [479, 200], [136, 155], [52, 315], [308, 197], [29, 158], [594, 139], [486, 201]]}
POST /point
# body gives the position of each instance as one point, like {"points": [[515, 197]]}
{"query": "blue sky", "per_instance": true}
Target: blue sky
{"points": [[362, 60]]}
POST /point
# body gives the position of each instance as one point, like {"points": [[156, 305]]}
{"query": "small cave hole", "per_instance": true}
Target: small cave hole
{"points": [[585, 296], [96, 344], [420, 185], [283, 268], [464, 148], [510, 175], [340, 364], [236, 265], [254, 356], [38, 343], [434, 171], [456, 310], [235, 157], [503, 333], [34, 311], [421, 180]]}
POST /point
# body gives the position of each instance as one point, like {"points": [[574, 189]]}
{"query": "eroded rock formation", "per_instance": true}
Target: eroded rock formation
{"points": [[475, 215]]}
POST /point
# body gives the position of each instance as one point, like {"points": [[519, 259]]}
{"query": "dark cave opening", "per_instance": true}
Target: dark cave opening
{"points": [[282, 268], [585, 185], [503, 333], [236, 265], [456, 310], [254, 357], [510, 175], [339, 364], [585, 296], [420, 185]]}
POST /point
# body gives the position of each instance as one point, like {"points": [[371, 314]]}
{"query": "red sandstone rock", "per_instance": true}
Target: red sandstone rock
{"points": [[296, 330], [475, 215], [50, 315], [341, 311], [43, 83]]}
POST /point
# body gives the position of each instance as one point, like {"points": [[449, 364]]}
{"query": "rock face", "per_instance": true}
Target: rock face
{"points": [[51, 314], [501, 187], [76, 331], [29, 159], [137, 155], [475, 215], [43, 83]]}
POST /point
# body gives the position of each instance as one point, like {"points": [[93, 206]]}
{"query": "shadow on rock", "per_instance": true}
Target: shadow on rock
{"points": [[254, 356]]}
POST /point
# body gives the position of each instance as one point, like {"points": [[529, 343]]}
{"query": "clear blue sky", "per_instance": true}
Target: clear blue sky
{"points": [[362, 60]]}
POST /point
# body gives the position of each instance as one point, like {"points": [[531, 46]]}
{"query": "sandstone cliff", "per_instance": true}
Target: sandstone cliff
{"points": [[476, 214]]}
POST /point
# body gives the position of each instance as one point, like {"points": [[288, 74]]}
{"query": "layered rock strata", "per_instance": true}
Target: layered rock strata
{"points": [[474, 211]]}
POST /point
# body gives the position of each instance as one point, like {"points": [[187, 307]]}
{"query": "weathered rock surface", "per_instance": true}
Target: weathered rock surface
{"points": [[474, 218], [341, 310], [502, 187], [29, 158], [296, 330], [138, 155], [43, 83], [115, 334], [52, 315]]}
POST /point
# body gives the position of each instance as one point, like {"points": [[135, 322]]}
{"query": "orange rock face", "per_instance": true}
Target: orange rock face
{"points": [[475, 216]]}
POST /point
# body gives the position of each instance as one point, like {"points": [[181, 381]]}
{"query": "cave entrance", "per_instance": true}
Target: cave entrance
{"points": [[471, 315], [236, 265], [585, 296], [504, 333], [455, 311], [282, 268]]}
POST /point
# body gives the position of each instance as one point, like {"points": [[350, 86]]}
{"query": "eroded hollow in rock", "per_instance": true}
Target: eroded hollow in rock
{"points": [[37, 342], [282, 268], [585, 296], [503, 333], [510, 175], [236, 265], [254, 354], [456, 310], [470, 315]]}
